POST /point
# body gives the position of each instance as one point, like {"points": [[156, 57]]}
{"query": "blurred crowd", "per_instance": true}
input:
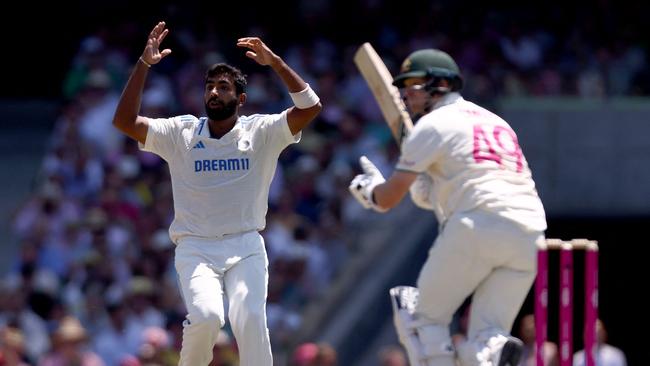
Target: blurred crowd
{"points": [[94, 280]]}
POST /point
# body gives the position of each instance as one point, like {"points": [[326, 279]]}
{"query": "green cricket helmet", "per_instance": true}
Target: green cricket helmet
{"points": [[431, 64]]}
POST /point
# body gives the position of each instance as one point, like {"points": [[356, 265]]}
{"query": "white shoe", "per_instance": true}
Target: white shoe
{"points": [[511, 352], [501, 350]]}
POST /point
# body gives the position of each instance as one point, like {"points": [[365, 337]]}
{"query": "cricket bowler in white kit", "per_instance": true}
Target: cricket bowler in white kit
{"points": [[465, 164], [221, 167]]}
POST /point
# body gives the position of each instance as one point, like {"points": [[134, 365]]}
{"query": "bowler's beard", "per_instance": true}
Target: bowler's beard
{"points": [[224, 111]]}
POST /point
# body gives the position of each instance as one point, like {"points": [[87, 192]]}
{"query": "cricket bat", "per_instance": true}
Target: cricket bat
{"points": [[380, 80]]}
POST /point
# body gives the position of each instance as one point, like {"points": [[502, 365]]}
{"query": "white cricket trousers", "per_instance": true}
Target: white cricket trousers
{"points": [[482, 253], [234, 268]]}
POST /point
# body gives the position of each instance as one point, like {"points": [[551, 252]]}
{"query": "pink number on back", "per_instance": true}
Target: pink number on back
{"points": [[481, 144], [513, 150], [493, 147]]}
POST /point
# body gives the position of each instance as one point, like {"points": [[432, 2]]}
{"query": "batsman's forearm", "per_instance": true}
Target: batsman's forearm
{"points": [[387, 197], [128, 106], [291, 79], [389, 194]]}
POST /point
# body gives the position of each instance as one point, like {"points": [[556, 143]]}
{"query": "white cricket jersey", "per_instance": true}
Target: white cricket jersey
{"points": [[220, 186], [475, 162]]}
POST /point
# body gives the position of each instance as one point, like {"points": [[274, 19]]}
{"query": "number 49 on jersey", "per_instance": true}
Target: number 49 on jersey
{"points": [[498, 144]]}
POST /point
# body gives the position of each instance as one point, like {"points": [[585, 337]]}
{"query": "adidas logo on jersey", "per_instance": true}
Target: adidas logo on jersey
{"points": [[199, 145]]}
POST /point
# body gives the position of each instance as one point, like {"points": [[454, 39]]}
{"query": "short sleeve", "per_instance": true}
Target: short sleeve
{"points": [[162, 135], [277, 130], [420, 149]]}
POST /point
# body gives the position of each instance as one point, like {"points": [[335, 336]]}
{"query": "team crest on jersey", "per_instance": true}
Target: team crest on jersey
{"points": [[243, 144]]}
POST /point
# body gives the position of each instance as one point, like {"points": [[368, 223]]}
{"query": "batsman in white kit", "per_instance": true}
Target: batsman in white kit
{"points": [[221, 167], [464, 163]]}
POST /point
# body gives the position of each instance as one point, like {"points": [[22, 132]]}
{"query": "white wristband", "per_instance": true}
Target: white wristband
{"points": [[306, 98]]}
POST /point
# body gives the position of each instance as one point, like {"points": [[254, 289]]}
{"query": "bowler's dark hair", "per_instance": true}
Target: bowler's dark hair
{"points": [[235, 73]]}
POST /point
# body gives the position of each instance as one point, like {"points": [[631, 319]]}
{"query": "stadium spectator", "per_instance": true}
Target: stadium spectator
{"points": [[606, 354]]}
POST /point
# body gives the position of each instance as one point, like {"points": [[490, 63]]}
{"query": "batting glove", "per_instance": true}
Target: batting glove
{"points": [[362, 185]]}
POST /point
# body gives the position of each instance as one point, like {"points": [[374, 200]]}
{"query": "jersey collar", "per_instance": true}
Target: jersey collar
{"points": [[203, 130], [448, 98]]}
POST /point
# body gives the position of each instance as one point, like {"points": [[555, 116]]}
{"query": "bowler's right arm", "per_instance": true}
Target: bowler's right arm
{"points": [[126, 117]]}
